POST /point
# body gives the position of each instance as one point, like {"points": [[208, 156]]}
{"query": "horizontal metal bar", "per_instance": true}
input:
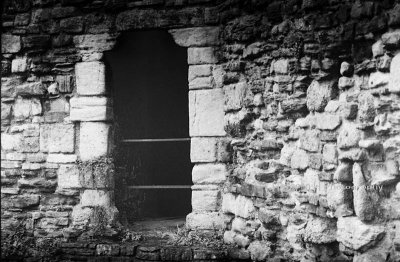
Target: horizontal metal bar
{"points": [[155, 140], [159, 186]]}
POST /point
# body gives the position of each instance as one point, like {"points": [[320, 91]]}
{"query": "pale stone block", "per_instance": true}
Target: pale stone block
{"points": [[211, 220], [234, 96], [209, 174], [11, 141], [378, 79], [61, 158], [355, 234], [238, 205], [196, 36], [201, 83], [203, 150], [19, 65], [199, 71], [93, 142], [201, 55], [92, 198], [24, 108], [68, 176], [90, 109], [281, 66], [90, 78], [205, 200], [57, 138], [394, 80], [206, 114]]}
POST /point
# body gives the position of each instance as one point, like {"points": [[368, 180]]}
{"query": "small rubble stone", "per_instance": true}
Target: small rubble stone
{"points": [[348, 137], [299, 159], [10, 44], [346, 69], [320, 231], [344, 172]]}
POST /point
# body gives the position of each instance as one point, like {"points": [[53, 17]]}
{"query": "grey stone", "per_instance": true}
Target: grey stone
{"points": [[201, 55], [364, 202], [344, 172], [197, 36], [90, 78], [57, 138], [210, 220], [10, 44], [259, 251], [346, 69], [348, 137], [309, 141], [299, 159], [327, 121], [209, 174], [320, 231], [319, 93], [355, 234], [329, 153], [205, 200]]}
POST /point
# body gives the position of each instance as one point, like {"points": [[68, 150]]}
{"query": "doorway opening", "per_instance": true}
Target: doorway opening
{"points": [[148, 75]]}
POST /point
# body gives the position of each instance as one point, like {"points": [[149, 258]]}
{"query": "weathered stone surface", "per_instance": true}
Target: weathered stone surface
{"points": [[90, 78], [209, 173], [234, 96], [97, 42], [68, 177], [93, 140], [197, 36], [391, 40], [201, 83], [309, 141], [210, 220], [344, 173], [364, 202], [259, 250], [65, 83], [327, 122], [201, 55], [10, 43], [299, 159], [394, 79], [346, 69], [25, 201], [19, 65], [57, 138], [30, 89], [238, 205], [356, 235], [206, 200], [92, 198], [319, 94], [378, 79], [329, 153], [206, 113], [348, 137], [24, 108], [199, 71], [90, 109], [320, 231], [61, 158]]}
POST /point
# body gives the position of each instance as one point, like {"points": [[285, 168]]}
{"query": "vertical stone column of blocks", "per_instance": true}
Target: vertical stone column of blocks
{"points": [[92, 108], [206, 117]]}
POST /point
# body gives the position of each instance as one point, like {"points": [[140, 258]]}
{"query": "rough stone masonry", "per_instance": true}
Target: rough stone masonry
{"points": [[294, 122]]}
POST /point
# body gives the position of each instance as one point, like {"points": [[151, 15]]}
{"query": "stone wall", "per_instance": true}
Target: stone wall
{"points": [[294, 118]]}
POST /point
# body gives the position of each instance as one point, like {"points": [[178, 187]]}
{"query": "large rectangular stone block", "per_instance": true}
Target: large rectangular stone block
{"points": [[90, 109], [93, 140], [209, 173], [92, 198], [206, 200], [57, 138], [197, 36], [90, 78], [206, 113], [201, 55]]}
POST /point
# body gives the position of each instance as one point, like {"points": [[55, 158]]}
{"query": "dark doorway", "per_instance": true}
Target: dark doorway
{"points": [[148, 75]]}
